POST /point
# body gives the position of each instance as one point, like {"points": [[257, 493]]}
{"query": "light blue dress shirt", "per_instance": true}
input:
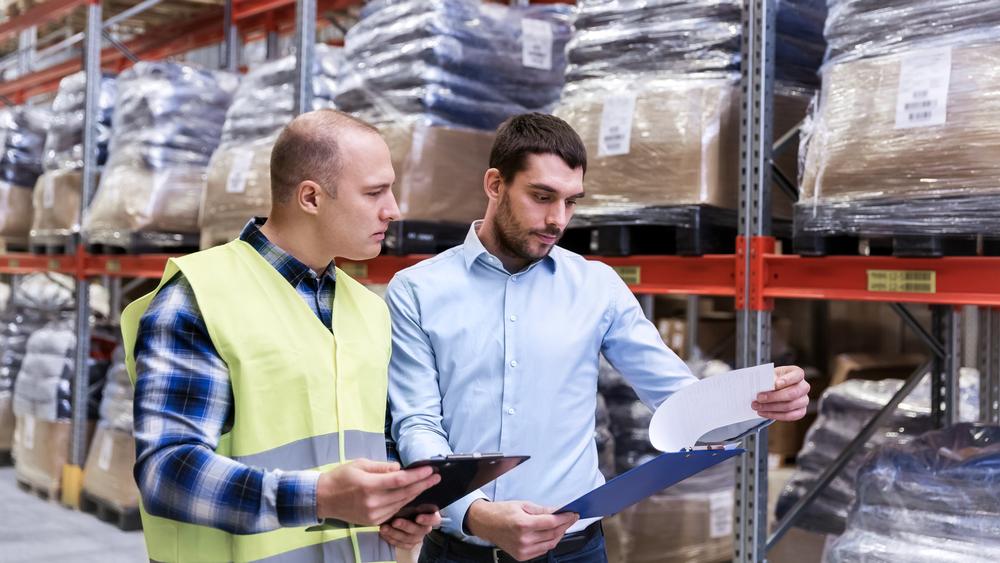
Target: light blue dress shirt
{"points": [[487, 361]]}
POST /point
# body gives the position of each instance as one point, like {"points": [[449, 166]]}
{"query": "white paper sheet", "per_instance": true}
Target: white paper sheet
{"points": [[715, 409]]}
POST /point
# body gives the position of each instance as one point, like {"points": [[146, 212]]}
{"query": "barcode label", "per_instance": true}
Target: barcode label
{"points": [[536, 44], [236, 182], [616, 125], [923, 89], [631, 275], [902, 281], [48, 193], [720, 514], [104, 454], [29, 432]]}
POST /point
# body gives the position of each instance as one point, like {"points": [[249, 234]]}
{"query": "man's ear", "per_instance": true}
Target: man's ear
{"points": [[492, 183], [307, 196]]}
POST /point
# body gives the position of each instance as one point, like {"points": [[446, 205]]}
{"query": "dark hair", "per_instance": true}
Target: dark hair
{"points": [[535, 133], [307, 149]]}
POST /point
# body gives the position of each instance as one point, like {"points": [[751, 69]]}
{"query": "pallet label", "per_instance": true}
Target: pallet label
{"points": [[720, 514], [356, 270], [53, 264], [236, 182], [631, 275], [536, 44], [922, 100], [902, 281], [616, 125], [104, 454]]}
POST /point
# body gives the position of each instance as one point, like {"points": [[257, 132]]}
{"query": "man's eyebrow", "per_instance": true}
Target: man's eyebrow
{"points": [[547, 189]]}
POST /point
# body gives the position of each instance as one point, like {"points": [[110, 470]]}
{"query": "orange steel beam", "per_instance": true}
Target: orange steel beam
{"points": [[41, 13], [957, 280]]}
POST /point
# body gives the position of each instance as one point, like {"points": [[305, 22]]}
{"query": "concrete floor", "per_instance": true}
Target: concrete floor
{"points": [[34, 530]]}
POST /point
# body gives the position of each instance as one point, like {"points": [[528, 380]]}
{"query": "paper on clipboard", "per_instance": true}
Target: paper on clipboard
{"points": [[712, 410]]}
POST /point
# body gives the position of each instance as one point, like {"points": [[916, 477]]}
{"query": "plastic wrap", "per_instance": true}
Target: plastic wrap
{"points": [[863, 28], [605, 439], [22, 136], [56, 205], [461, 63], [680, 147], [882, 158], [116, 402], [64, 142], [933, 500], [238, 188], [680, 37], [843, 410], [167, 123]]}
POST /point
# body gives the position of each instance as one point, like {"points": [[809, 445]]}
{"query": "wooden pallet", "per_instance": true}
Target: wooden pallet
{"points": [[126, 519], [903, 246], [147, 243], [6, 459], [53, 245], [423, 237], [49, 494]]}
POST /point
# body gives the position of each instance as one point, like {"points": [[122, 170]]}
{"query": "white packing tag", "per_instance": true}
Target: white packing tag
{"points": [[616, 125], [104, 454], [923, 89], [720, 514], [536, 44], [236, 183], [29, 432], [48, 193]]}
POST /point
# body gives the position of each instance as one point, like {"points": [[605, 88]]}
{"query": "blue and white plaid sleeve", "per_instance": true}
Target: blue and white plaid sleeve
{"points": [[183, 404]]}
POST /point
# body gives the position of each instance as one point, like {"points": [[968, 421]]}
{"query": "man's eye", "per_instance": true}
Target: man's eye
{"points": [[571, 202], [542, 197]]}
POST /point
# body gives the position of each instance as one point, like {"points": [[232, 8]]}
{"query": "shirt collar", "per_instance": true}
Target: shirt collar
{"points": [[473, 249], [287, 265]]}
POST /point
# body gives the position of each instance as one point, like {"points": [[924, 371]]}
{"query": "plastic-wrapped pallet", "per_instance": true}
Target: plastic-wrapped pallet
{"points": [[461, 63], [58, 190], [167, 123], [658, 143], [903, 141], [22, 139], [17, 324], [934, 500], [107, 475], [843, 410], [239, 182], [681, 36]]}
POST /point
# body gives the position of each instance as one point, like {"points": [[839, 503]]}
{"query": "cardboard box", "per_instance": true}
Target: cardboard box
{"points": [[874, 366], [15, 212], [238, 188], [108, 472], [859, 148], [6, 421], [683, 144], [57, 203], [41, 449], [439, 171], [695, 528]]}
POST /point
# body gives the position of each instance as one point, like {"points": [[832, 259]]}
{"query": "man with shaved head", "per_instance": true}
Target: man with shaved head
{"points": [[260, 373]]}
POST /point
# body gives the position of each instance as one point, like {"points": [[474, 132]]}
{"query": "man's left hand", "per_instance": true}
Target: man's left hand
{"points": [[790, 397], [407, 534]]}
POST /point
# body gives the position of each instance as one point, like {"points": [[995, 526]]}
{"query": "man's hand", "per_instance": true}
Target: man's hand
{"points": [[369, 492], [407, 534], [522, 529], [790, 397]]}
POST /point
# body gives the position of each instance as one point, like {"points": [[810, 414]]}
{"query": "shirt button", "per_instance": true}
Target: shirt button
{"points": [[511, 411], [513, 318], [513, 278], [513, 363]]}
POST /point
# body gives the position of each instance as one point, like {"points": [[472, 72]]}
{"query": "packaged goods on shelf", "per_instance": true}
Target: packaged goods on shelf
{"points": [[605, 439], [660, 142], [905, 144], [614, 36], [108, 471], [843, 410], [461, 63], [57, 194], [22, 138], [934, 499], [167, 123]]}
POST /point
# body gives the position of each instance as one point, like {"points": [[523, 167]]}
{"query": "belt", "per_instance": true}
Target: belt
{"points": [[569, 544]]}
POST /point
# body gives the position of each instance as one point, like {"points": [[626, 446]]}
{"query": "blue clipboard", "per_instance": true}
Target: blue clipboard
{"points": [[640, 482]]}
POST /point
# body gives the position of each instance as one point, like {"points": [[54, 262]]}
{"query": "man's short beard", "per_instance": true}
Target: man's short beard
{"points": [[513, 240]]}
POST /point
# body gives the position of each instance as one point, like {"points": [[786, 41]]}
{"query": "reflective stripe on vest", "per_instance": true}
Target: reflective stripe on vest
{"points": [[318, 451], [370, 547]]}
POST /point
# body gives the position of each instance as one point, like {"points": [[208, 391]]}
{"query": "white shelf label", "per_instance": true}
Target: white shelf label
{"points": [[104, 454], [536, 44], [48, 193], [923, 89], [616, 125], [720, 514], [236, 183]]}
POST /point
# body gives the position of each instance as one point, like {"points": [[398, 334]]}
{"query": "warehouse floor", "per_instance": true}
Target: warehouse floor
{"points": [[34, 530]]}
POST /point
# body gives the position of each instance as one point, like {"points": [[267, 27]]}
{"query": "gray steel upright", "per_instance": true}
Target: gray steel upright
{"points": [[81, 380], [231, 39], [988, 360], [753, 329], [305, 48]]}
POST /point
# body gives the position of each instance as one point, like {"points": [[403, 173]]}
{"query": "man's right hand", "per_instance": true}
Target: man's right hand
{"points": [[522, 529], [369, 492]]}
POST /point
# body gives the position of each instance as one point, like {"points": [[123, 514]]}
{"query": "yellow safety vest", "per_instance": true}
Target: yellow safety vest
{"points": [[304, 398]]}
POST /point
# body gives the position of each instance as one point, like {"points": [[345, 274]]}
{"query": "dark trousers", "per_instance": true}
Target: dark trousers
{"points": [[592, 552]]}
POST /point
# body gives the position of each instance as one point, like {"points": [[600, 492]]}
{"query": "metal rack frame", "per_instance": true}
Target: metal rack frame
{"points": [[754, 276]]}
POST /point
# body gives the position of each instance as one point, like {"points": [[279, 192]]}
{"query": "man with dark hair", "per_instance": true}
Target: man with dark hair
{"points": [[260, 373], [496, 346]]}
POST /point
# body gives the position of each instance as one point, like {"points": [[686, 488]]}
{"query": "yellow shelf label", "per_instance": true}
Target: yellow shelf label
{"points": [[355, 269], [632, 275], [53, 264], [14, 263], [113, 266], [902, 281]]}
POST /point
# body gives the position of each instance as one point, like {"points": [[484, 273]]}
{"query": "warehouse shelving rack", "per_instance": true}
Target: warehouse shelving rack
{"points": [[754, 276]]}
